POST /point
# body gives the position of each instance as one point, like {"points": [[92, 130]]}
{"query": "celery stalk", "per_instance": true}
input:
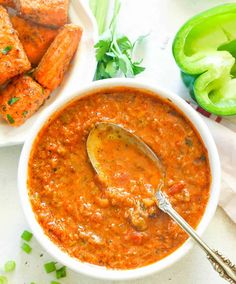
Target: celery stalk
{"points": [[102, 10], [93, 6], [116, 11]]}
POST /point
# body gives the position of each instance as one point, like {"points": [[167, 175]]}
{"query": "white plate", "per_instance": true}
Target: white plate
{"points": [[81, 72]]}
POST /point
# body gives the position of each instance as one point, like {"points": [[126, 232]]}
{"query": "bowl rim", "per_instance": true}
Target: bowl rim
{"points": [[95, 271]]}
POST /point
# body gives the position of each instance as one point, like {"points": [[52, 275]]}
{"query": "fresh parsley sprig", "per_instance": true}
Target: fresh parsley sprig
{"points": [[114, 57], [114, 53]]}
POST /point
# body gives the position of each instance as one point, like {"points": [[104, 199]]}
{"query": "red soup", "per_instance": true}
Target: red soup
{"points": [[117, 226]]}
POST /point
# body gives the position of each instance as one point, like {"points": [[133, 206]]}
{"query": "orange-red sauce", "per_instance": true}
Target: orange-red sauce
{"points": [[117, 225]]}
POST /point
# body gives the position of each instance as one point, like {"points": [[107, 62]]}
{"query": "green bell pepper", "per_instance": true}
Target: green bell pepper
{"points": [[205, 50]]}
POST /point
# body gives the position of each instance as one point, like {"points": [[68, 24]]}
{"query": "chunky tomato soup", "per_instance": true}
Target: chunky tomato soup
{"points": [[117, 224]]}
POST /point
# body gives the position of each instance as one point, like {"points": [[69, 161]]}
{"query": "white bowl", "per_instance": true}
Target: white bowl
{"points": [[98, 271]]}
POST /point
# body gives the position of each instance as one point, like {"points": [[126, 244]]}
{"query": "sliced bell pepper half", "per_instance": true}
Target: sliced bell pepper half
{"points": [[205, 50]]}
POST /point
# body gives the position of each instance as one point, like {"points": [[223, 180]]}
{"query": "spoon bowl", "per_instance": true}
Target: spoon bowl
{"points": [[112, 131]]}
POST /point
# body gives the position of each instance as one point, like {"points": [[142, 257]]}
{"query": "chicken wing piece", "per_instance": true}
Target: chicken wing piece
{"points": [[55, 62], [45, 12], [21, 99], [35, 38], [13, 59]]}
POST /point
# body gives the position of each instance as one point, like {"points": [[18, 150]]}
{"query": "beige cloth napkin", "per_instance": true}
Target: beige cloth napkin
{"points": [[223, 131]]}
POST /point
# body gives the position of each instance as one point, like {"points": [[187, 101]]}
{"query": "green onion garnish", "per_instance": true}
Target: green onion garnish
{"points": [[189, 142], [26, 236], [50, 267], [6, 50], [10, 119], [10, 266], [26, 248], [54, 282], [24, 113], [13, 100], [3, 280], [61, 272]]}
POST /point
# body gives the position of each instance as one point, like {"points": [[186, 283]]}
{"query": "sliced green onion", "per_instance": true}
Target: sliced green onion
{"points": [[10, 266], [10, 119], [24, 113], [54, 282], [26, 248], [13, 100], [189, 142], [61, 272], [50, 267], [26, 236], [3, 280], [6, 49]]}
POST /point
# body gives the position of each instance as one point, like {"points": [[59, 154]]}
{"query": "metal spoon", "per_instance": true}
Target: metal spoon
{"points": [[221, 264]]}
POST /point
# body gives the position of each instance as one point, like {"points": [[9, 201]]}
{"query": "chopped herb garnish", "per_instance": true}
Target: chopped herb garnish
{"points": [[26, 236], [173, 112], [10, 119], [24, 113], [54, 282], [10, 266], [61, 272], [203, 158], [6, 50], [50, 267], [13, 100], [3, 280], [26, 248], [189, 142]]}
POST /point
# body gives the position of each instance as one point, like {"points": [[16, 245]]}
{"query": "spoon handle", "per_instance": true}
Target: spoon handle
{"points": [[221, 264]]}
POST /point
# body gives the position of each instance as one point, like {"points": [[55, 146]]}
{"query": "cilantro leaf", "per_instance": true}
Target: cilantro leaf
{"points": [[101, 72], [125, 65], [111, 68], [114, 56], [124, 44], [102, 47], [137, 69]]}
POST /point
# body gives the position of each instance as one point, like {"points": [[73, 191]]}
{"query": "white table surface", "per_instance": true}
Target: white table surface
{"points": [[160, 18]]}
